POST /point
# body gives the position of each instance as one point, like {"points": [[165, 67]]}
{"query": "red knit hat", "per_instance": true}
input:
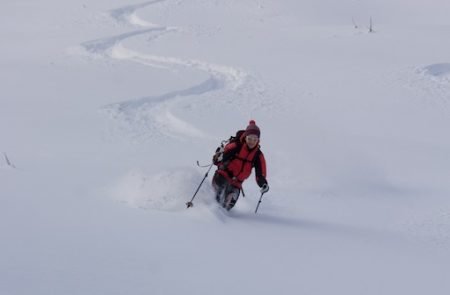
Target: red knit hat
{"points": [[252, 129]]}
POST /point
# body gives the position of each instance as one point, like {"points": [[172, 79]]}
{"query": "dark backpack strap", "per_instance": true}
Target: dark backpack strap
{"points": [[258, 152]]}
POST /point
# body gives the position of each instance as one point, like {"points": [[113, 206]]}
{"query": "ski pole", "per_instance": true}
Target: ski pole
{"points": [[190, 204], [260, 199]]}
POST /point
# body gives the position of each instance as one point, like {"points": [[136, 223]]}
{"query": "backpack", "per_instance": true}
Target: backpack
{"points": [[218, 156]]}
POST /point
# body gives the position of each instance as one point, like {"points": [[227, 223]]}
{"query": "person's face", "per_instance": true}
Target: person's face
{"points": [[251, 140]]}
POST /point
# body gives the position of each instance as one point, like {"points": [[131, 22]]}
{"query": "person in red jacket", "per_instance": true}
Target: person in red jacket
{"points": [[236, 164]]}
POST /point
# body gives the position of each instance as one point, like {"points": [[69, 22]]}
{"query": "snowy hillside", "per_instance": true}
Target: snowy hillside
{"points": [[106, 106]]}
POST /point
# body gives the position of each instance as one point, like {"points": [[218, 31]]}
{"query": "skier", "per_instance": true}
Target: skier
{"points": [[235, 163]]}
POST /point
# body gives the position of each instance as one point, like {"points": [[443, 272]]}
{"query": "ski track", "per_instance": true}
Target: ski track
{"points": [[127, 14], [151, 116]]}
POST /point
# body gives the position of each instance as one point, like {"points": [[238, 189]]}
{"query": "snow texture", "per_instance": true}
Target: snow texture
{"points": [[107, 105]]}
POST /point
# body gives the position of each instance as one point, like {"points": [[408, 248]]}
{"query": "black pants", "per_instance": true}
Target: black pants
{"points": [[226, 194]]}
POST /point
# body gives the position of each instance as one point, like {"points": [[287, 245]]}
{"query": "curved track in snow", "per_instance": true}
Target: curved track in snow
{"points": [[151, 116]]}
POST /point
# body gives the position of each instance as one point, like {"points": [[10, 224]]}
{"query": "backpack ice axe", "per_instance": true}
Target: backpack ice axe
{"points": [[190, 204]]}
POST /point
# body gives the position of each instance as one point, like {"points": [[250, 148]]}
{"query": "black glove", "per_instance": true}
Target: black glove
{"points": [[264, 188]]}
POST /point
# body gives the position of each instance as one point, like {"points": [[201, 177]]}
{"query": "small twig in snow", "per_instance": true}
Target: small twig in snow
{"points": [[354, 23], [8, 162], [371, 26]]}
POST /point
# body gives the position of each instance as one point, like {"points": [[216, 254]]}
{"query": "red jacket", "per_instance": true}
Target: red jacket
{"points": [[238, 161]]}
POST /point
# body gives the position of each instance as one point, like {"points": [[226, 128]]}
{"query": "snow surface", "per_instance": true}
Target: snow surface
{"points": [[107, 105]]}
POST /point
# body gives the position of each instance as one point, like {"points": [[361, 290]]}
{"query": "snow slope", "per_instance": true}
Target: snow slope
{"points": [[107, 105]]}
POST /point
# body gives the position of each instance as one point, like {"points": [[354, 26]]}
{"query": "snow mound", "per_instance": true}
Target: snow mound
{"points": [[438, 70], [429, 85], [166, 191], [440, 73]]}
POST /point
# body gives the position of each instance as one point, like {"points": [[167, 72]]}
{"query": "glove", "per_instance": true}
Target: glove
{"points": [[264, 188]]}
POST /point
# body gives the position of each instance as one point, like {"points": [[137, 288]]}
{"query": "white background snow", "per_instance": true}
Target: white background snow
{"points": [[106, 106]]}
